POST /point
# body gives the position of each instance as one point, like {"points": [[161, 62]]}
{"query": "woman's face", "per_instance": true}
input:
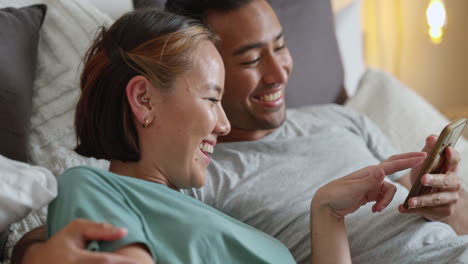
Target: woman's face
{"points": [[188, 119]]}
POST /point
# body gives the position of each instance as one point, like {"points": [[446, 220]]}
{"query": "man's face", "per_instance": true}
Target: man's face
{"points": [[257, 63]]}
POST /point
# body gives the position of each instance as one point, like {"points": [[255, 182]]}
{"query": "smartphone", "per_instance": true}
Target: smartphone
{"points": [[436, 158]]}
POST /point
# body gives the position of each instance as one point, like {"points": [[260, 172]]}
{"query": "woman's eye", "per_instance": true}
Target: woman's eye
{"points": [[214, 100], [251, 62]]}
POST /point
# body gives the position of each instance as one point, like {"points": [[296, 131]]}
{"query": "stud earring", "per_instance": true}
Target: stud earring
{"points": [[147, 122]]}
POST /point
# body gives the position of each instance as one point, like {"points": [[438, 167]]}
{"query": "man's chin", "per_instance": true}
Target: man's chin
{"points": [[271, 121], [257, 118]]}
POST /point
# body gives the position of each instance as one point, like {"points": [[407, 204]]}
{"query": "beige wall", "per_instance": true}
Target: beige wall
{"points": [[397, 41]]}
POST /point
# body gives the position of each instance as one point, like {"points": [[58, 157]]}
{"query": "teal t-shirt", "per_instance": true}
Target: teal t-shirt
{"points": [[175, 227]]}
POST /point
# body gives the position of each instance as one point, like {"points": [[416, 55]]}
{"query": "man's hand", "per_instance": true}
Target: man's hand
{"points": [[68, 245], [442, 202]]}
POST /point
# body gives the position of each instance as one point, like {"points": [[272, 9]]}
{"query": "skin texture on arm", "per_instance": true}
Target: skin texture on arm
{"points": [[450, 202], [329, 238], [35, 236], [333, 201], [68, 245]]}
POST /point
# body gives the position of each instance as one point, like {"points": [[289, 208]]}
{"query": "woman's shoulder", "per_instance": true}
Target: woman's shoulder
{"points": [[83, 177], [83, 170]]}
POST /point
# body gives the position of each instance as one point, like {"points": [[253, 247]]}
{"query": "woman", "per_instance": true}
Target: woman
{"points": [[150, 103]]}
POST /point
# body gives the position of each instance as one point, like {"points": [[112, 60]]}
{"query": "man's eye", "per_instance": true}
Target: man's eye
{"points": [[251, 62], [280, 47]]}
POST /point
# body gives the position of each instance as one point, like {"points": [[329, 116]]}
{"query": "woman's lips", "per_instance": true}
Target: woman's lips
{"points": [[206, 148]]}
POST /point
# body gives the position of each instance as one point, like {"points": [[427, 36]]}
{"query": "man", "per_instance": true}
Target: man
{"points": [[270, 167]]}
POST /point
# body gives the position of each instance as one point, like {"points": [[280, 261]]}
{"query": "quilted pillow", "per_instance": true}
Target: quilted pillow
{"points": [[68, 30]]}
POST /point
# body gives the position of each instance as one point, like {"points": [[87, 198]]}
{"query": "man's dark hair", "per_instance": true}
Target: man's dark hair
{"points": [[197, 9]]}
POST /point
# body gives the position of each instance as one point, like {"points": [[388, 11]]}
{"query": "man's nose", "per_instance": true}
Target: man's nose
{"points": [[275, 71]]}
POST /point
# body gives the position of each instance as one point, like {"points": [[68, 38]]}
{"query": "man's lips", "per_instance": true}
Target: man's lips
{"points": [[272, 98]]}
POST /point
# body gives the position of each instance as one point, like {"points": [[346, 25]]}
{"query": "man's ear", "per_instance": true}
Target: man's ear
{"points": [[138, 92]]}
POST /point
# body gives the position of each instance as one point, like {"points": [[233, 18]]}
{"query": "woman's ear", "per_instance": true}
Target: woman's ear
{"points": [[139, 98]]}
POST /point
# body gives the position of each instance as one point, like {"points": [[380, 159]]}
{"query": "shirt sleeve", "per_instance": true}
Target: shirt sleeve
{"points": [[84, 193]]}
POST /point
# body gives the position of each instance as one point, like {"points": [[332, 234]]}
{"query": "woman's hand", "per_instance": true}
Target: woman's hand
{"points": [[345, 195], [68, 245], [333, 201]]}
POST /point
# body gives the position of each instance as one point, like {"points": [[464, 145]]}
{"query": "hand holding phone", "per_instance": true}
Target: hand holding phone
{"points": [[436, 158]]}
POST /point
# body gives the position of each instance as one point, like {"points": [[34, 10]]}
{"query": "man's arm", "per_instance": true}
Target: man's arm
{"points": [[68, 245], [35, 236]]}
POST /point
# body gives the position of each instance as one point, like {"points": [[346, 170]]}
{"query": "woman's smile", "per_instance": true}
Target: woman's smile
{"points": [[206, 148]]}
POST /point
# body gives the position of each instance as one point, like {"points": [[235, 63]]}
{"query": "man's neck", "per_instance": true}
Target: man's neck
{"points": [[238, 134]]}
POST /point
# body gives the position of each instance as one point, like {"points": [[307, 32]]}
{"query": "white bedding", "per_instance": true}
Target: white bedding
{"points": [[23, 188]]}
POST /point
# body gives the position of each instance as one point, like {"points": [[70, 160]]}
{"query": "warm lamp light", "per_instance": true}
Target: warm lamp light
{"points": [[436, 19]]}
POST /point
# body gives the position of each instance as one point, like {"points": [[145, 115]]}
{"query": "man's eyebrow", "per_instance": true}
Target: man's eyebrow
{"points": [[280, 35], [256, 45]]}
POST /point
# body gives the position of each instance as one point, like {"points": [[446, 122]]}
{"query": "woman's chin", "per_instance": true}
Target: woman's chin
{"points": [[199, 181]]}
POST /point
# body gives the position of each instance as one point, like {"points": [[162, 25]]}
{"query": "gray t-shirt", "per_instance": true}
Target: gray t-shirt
{"points": [[269, 184]]}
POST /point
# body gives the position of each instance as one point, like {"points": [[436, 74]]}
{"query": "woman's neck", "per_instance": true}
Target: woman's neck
{"points": [[140, 170]]}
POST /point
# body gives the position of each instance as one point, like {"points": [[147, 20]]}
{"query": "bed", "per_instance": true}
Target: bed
{"points": [[41, 63]]}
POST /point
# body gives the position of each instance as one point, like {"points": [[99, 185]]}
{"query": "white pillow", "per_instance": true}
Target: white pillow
{"points": [[113, 8], [67, 32], [23, 188], [350, 42], [403, 115]]}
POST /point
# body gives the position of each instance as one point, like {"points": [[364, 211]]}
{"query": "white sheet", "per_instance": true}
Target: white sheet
{"points": [[23, 188]]}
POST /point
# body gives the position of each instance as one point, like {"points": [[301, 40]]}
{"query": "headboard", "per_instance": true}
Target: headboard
{"points": [[318, 75]]}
